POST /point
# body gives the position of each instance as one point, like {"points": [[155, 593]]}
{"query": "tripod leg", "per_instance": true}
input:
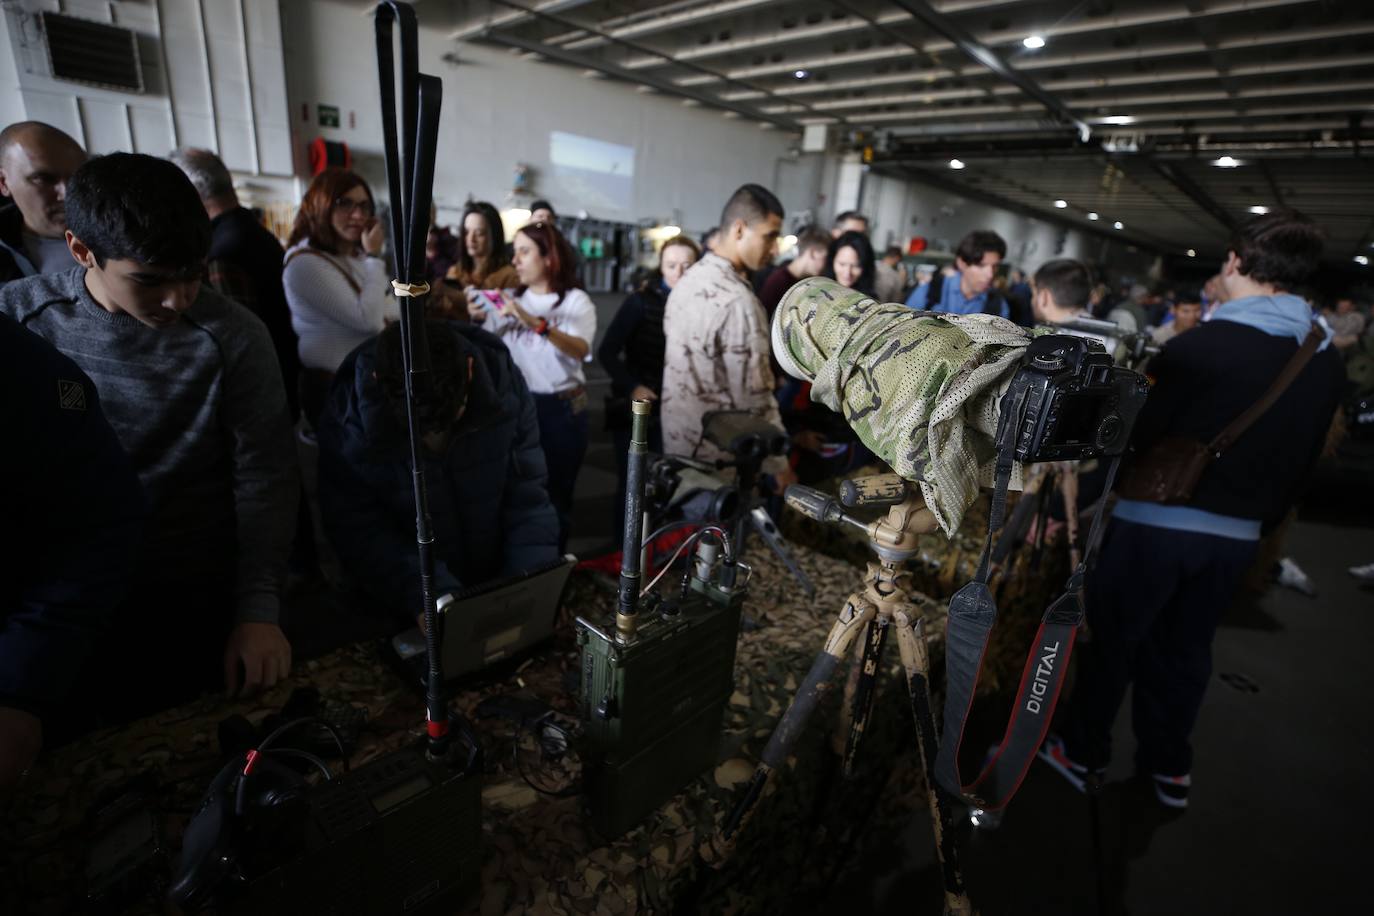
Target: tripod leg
{"points": [[916, 660], [857, 612], [773, 538], [865, 692]]}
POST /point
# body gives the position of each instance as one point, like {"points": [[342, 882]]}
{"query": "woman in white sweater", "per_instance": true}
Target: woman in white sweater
{"points": [[337, 285], [548, 324]]}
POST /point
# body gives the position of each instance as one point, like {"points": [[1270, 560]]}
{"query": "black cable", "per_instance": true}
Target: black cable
{"points": [[543, 722], [307, 720]]}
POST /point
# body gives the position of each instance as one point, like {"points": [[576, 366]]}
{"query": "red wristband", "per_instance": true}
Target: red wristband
{"points": [[542, 328]]}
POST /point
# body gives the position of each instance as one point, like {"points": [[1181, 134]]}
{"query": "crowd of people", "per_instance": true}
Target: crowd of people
{"points": [[168, 354]]}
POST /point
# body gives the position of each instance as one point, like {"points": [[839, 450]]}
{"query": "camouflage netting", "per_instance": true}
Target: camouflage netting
{"points": [[919, 389], [538, 854]]}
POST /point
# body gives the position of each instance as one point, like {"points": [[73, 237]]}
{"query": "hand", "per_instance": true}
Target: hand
{"points": [[784, 479], [513, 308], [263, 652], [643, 393], [21, 737], [809, 440], [374, 236]]}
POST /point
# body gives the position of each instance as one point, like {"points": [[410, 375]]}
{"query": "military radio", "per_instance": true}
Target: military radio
{"points": [[655, 682]]}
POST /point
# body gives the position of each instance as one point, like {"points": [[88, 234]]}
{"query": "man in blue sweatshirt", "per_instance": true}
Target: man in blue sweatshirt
{"points": [[190, 383], [1167, 573]]}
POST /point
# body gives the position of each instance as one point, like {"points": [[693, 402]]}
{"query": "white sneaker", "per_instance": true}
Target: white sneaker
{"points": [[1291, 575], [1364, 573]]}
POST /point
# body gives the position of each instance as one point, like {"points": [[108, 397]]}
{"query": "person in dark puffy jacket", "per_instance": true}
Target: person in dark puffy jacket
{"points": [[73, 514], [485, 470]]}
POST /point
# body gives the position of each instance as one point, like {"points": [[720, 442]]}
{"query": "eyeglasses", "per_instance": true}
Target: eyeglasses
{"points": [[346, 206]]}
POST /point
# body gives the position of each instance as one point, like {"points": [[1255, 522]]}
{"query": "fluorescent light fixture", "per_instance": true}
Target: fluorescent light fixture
{"points": [[1192, 253], [1061, 204], [1034, 42], [1225, 162], [1119, 119], [1117, 225], [956, 164], [1361, 260], [1259, 210], [1093, 215], [801, 74]]}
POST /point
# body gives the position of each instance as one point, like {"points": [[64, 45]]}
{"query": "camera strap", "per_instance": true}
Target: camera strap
{"points": [[972, 613]]}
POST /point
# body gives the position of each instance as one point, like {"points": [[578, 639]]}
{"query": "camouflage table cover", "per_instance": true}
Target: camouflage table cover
{"points": [[538, 856]]}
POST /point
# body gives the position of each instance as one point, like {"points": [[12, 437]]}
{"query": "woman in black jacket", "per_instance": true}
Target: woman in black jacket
{"points": [[632, 351]]}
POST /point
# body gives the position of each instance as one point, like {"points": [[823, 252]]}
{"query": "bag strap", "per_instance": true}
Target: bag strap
{"points": [[935, 292], [357, 290], [1240, 424]]}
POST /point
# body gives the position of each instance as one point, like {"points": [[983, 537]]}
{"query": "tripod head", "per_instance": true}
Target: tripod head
{"points": [[895, 537]]}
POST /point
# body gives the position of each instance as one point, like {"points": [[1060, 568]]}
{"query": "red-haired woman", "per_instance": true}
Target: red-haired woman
{"points": [[548, 324], [337, 285]]}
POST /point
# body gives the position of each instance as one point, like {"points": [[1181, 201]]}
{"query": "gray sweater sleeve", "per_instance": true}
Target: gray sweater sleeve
{"points": [[266, 481]]}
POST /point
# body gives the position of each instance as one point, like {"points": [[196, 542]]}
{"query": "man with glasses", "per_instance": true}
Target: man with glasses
{"points": [[36, 161], [190, 384], [488, 493]]}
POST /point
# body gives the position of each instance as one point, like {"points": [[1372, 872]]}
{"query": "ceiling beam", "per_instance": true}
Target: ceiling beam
{"points": [[576, 59], [512, 18], [1273, 185], [715, 103], [1175, 48], [943, 181], [1171, 173], [923, 12]]}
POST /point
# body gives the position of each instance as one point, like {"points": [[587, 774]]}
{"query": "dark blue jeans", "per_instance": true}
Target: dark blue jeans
{"points": [[1153, 604], [563, 433]]}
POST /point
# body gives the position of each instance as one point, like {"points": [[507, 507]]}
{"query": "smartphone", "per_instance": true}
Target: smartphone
{"points": [[491, 298]]}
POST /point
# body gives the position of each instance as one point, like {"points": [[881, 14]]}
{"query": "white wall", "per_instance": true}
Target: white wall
{"points": [[499, 110], [212, 71]]}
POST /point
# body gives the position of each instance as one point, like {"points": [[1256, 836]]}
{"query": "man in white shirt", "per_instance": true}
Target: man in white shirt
{"points": [[716, 356]]}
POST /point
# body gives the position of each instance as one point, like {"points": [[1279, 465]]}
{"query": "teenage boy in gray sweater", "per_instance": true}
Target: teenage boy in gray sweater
{"points": [[190, 383]]}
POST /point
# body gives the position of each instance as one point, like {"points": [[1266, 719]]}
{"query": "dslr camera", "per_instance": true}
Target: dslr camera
{"points": [[1075, 403]]}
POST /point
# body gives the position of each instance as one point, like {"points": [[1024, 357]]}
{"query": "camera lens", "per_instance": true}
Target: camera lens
{"points": [[1109, 431]]}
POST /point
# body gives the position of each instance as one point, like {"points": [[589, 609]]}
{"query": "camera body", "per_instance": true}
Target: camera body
{"points": [[668, 478], [1076, 403]]}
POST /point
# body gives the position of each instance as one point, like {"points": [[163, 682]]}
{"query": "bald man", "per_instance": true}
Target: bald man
{"points": [[36, 160]]}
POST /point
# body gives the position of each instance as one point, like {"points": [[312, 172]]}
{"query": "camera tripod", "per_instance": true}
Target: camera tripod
{"points": [[883, 602]]}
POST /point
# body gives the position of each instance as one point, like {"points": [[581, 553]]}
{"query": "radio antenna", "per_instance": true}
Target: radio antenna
{"points": [[410, 183]]}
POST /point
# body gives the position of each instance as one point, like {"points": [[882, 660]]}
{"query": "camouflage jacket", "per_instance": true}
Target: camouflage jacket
{"points": [[716, 357]]}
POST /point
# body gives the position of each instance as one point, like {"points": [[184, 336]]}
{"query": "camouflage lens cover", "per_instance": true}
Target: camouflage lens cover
{"points": [[919, 388]]}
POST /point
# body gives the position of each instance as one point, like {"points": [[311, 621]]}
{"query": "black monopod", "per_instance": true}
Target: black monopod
{"points": [[410, 180]]}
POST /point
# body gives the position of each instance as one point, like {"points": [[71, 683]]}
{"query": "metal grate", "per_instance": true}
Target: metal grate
{"points": [[94, 53]]}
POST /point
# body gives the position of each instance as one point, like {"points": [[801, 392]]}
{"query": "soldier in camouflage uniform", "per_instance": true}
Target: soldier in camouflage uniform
{"points": [[920, 389], [717, 335]]}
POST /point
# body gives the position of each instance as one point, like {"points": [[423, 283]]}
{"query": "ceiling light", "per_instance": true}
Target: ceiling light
{"points": [[1092, 215], [1117, 225], [1119, 119], [802, 74], [1259, 210], [1225, 162], [1361, 260], [1192, 253], [1034, 42], [1061, 204], [956, 163]]}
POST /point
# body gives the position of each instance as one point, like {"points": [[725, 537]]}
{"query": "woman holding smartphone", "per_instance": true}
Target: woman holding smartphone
{"points": [[337, 285], [481, 252], [548, 325]]}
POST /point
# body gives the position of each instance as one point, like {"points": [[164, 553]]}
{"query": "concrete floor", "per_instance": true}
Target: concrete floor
{"points": [[1280, 791]]}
